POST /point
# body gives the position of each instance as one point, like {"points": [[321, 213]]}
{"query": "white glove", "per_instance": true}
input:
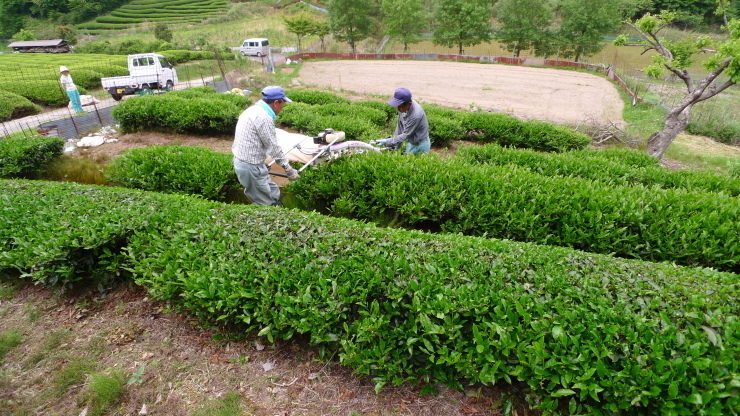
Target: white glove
{"points": [[292, 173]]}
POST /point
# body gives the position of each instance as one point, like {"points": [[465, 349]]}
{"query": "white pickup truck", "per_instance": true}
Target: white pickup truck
{"points": [[146, 71]]}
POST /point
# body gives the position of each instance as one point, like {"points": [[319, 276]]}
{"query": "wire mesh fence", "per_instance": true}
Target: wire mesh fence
{"points": [[54, 114]]}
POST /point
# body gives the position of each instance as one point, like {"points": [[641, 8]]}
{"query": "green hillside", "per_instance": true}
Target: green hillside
{"points": [[171, 11]]}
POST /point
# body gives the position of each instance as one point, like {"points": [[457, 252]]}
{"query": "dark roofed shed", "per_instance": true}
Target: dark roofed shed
{"points": [[41, 46]]}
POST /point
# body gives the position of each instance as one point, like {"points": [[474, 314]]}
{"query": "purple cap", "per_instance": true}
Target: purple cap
{"points": [[401, 96], [275, 92]]}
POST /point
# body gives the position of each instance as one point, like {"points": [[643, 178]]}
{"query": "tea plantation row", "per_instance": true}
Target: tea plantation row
{"points": [[688, 227], [314, 111], [170, 11], [36, 78], [691, 227], [199, 110], [599, 168], [589, 334]]}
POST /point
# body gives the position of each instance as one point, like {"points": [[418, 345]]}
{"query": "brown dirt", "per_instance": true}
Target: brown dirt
{"points": [[530, 93], [109, 151], [186, 367]]}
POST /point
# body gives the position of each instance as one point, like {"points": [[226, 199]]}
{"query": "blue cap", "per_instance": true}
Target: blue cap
{"points": [[401, 96], [275, 92]]}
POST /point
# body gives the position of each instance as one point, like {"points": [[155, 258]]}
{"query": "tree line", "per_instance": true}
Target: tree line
{"points": [[572, 29]]}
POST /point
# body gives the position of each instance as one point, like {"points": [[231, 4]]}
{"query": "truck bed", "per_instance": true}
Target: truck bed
{"points": [[126, 80]]}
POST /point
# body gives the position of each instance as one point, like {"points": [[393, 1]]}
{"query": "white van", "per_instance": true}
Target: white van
{"points": [[255, 46]]}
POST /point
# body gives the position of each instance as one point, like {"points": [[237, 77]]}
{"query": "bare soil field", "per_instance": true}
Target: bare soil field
{"points": [[558, 96]]}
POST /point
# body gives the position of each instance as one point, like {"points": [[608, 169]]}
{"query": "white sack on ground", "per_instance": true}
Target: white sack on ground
{"points": [[287, 140]]}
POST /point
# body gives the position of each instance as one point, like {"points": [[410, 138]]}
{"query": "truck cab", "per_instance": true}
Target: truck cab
{"points": [[255, 47], [147, 71]]}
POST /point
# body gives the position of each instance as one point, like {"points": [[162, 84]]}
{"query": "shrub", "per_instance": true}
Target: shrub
{"points": [[44, 92], [687, 227], [175, 169], [177, 56], [315, 97], [87, 78], [311, 119], [491, 127], [201, 113], [390, 112], [626, 155], [15, 106], [22, 157], [607, 167], [587, 333], [512, 132], [442, 131], [550, 137], [364, 113]]}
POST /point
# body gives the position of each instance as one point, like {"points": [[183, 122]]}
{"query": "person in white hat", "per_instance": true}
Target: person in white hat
{"points": [[71, 88], [255, 139]]}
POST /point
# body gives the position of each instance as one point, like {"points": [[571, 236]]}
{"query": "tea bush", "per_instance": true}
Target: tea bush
{"points": [[44, 92], [374, 116], [180, 56], [200, 112], [26, 157], [511, 132], [15, 106], [315, 97], [442, 131], [598, 166], [589, 334], [445, 125], [390, 112], [175, 169], [355, 122], [88, 78], [626, 155], [687, 227]]}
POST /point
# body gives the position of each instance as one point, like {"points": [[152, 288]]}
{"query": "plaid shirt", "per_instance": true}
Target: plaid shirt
{"points": [[255, 138]]}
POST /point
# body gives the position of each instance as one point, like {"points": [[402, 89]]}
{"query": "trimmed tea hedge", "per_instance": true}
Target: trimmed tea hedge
{"points": [[201, 112], [171, 11], [15, 106], [693, 228], [354, 121], [311, 97], [45, 92], [26, 157], [175, 169], [597, 166], [445, 125], [589, 334], [512, 132]]}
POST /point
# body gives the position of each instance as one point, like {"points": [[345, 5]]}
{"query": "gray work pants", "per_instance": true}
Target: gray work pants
{"points": [[258, 186]]}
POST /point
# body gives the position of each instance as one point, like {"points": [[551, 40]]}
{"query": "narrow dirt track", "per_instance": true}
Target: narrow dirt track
{"points": [[546, 94]]}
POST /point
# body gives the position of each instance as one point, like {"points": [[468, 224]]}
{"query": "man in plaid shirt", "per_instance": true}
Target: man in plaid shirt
{"points": [[255, 139]]}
